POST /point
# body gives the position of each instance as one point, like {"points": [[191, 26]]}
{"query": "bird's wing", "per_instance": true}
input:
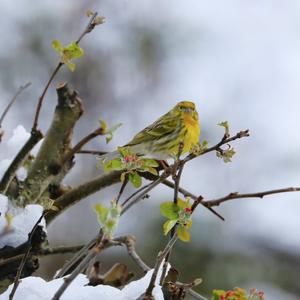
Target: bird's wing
{"points": [[161, 127]]}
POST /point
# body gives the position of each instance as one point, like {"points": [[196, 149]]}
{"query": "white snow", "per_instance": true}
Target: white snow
{"points": [[18, 139], [36, 288], [11, 149], [23, 220]]}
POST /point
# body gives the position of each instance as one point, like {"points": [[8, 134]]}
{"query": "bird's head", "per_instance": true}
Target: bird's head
{"points": [[186, 109]]}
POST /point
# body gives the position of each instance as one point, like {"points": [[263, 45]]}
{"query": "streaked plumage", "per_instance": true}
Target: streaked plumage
{"points": [[161, 139]]}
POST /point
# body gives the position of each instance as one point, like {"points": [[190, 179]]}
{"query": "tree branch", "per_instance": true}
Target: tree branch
{"points": [[24, 258], [56, 144], [236, 195], [19, 160], [11, 102], [79, 145], [91, 25], [161, 256], [82, 191]]}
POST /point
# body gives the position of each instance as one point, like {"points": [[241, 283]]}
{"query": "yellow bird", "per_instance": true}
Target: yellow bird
{"points": [[161, 139]]}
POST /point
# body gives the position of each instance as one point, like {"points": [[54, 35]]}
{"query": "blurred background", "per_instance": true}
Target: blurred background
{"points": [[238, 61]]}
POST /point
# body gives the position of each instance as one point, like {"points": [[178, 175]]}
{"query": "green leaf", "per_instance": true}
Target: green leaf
{"points": [[169, 210], [188, 223], [103, 125], [225, 124], [123, 151], [150, 162], [114, 164], [110, 132], [102, 213], [56, 44], [135, 179], [217, 294], [71, 66], [183, 233], [151, 170], [67, 53], [168, 225], [73, 50], [226, 155], [123, 176], [204, 143]]}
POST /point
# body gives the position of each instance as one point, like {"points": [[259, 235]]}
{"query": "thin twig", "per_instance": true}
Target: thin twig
{"points": [[236, 195], [23, 261], [140, 195], [162, 178], [8, 260], [19, 160], [104, 243], [60, 250], [124, 183], [195, 295], [129, 242], [77, 257], [161, 256], [43, 252], [92, 152], [224, 140], [11, 102], [80, 144], [135, 193], [176, 177], [41, 98], [68, 280], [186, 193], [91, 25]]}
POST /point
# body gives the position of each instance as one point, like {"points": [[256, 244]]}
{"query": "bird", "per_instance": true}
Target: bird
{"points": [[161, 140]]}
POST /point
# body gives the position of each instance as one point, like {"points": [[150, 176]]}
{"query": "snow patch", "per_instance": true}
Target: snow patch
{"points": [[23, 220], [36, 288]]}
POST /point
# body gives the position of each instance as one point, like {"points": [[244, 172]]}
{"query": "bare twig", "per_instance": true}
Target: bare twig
{"points": [[129, 242], [23, 261], [143, 192], [41, 98], [92, 152], [176, 177], [161, 256], [80, 144], [165, 174], [8, 260], [42, 252], [78, 256], [74, 274], [88, 188], [195, 295], [91, 25], [82, 191], [124, 183], [135, 193], [224, 140], [60, 250], [11, 102], [186, 193], [19, 160], [236, 195], [104, 243]]}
